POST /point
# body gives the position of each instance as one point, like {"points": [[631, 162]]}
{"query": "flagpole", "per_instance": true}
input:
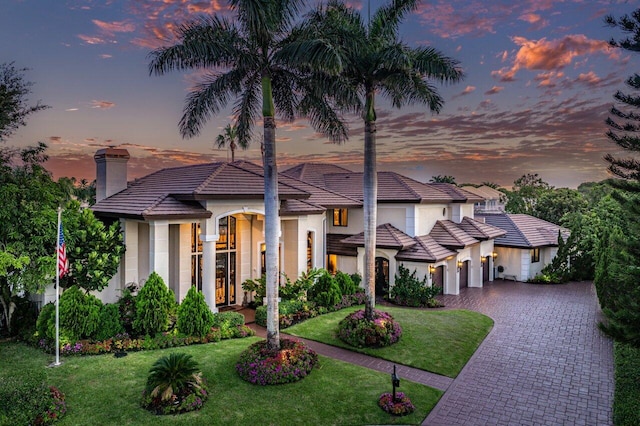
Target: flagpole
{"points": [[58, 289]]}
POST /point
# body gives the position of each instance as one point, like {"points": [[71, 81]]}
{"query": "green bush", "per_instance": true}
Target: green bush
{"points": [[79, 314], [325, 292], [228, 323], [258, 287], [357, 279], [408, 290], [261, 315], [110, 323], [627, 393], [45, 326], [127, 307], [155, 305], [356, 330], [194, 316], [23, 397], [346, 284], [174, 385]]}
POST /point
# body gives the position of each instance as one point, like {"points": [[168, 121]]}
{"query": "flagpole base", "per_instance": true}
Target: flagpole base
{"points": [[54, 364]]}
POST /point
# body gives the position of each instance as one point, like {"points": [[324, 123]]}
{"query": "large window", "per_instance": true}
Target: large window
{"points": [[332, 264], [535, 255], [340, 217], [196, 256]]}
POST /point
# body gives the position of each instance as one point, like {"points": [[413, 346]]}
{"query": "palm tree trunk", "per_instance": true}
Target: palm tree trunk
{"points": [[232, 147], [271, 219], [370, 195]]}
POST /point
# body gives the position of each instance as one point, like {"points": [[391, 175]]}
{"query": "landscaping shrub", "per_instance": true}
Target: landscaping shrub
{"points": [[357, 279], [23, 398], [79, 314], [357, 331], [25, 315], [127, 307], [258, 287], [411, 291], [110, 323], [262, 366], [325, 292], [45, 326], [346, 284], [194, 316], [626, 400], [228, 323], [174, 385], [155, 305]]}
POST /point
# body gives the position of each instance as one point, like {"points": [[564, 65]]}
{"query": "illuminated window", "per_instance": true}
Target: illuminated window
{"points": [[535, 255], [196, 256], [340, 217], [309, 250], [332, 263]]}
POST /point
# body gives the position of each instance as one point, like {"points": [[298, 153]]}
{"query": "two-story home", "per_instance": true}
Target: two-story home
{"points": [[203, 225]]}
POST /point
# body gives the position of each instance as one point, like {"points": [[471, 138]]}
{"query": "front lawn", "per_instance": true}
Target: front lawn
{"points": [[103, 389], [438, 341]]}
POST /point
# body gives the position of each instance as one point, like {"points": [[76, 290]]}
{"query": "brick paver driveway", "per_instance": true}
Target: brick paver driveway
{"points": [[544, 363]]}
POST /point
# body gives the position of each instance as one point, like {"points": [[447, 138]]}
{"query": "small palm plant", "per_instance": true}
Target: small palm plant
{"points": [[174, 385]]}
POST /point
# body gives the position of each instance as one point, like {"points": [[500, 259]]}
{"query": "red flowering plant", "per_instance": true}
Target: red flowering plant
{"points": [[358, 331], [57, 408], [262, 366], [401, 406]]}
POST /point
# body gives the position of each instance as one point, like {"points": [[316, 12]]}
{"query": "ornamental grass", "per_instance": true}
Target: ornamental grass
{"points": [[263, 366]]}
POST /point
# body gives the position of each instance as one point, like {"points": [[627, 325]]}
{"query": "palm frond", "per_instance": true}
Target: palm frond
{"points": [[247, 108], [434, 65], [386, 20]]}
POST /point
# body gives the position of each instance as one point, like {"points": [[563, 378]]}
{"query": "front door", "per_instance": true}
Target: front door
{"points": [[464, 275], [226, 262], [382, 276]]}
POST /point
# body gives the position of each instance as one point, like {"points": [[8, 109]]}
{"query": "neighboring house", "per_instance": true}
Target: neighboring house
{"points": [[203, 225], [493, 201], [528, 245]]}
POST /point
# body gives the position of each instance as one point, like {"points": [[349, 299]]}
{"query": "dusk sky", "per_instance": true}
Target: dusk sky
{"points": [[539, 83]]}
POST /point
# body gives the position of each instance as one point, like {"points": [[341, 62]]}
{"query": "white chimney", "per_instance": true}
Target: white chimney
{"points": [[111, 171]]}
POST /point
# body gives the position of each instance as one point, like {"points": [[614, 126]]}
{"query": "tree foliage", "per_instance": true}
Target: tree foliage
{"points": [[155, 304], [526, 191], [443, 179], [14, 102], [553, 205], [194, 316]]}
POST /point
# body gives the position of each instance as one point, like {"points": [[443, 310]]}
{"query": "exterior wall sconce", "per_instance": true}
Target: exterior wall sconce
{"points": [[460, 263], [482, 259], [494, 255], [432, 270]]}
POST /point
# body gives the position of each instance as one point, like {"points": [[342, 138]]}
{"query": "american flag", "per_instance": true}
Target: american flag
{"points": [[63, 262]]}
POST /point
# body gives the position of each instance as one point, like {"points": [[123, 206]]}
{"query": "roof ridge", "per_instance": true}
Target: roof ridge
{"points": [[508, 215], [155, 203], [321, 187], [209, 178]]}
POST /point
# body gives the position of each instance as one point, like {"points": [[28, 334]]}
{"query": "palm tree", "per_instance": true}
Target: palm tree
{"points": [[229, 137], [376, 61], [263, 62]]}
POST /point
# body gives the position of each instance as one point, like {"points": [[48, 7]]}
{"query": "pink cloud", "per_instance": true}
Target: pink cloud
{"points": [[114, 27], [494, 90], [102, 104]]}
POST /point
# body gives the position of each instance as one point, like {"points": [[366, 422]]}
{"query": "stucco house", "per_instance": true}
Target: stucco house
{"points": [[528, 245], [203, 225]]}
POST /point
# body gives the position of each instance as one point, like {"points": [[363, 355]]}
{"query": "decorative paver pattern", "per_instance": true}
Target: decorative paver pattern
{"points": [[544, 363]]}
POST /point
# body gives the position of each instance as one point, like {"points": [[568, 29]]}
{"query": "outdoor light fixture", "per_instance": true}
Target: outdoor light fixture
{"points": [[432, 270], [460, 263], [482, 259], [494, 255]]}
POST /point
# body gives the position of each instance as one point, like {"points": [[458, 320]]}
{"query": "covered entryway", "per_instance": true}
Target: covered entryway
{"points": [[438, 278], [464, 274], [382, 276], [485, 268]]}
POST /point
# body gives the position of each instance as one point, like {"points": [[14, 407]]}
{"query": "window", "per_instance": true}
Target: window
{"points": [[332, 263], [309, 250], [535, 255], [340, 217], [196, 256]]}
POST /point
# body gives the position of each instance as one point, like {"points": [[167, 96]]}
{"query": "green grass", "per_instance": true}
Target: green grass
{"points": [[626, 400], [438, 341], [103, 389]]}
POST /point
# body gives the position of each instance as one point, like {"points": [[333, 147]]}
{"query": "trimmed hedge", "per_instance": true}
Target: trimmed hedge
{"points": [[626, 400]]}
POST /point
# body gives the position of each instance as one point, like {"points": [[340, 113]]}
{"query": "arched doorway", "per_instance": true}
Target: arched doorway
{"points": [[382, 276]]}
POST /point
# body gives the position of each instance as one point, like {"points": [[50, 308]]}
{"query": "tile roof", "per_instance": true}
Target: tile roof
{"points": [[484, 191], [313, 173], [387, 236], [450, 235], [524, 231], [426, 249], [457, 194], [392, 187], [480, 230], [336, 246]]}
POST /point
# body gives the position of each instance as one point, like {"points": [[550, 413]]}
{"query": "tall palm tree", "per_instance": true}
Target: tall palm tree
{"points": [[229, 137], [263, 62], [375, 61]]}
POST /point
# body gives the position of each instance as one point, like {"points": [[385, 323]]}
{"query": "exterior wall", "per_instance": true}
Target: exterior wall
{"points": [[355, 222], [397, 215], [184, 263], [511, 260], [290, 245], [426, 216], [467, 210], [486, 249], [348, 264]]}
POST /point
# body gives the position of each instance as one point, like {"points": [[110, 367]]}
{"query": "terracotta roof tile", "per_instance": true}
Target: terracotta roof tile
{"points": [[457, 194], [336, 246], [480, 230], [450, 235], [387, 236], [426, 249], [524, 231]]}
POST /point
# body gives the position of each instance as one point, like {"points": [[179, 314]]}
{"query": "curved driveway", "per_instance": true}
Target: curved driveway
{"points": [[544, 363]]}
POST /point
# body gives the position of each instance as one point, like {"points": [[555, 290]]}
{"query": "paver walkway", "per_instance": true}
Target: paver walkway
{"points": [[544, 363]]}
